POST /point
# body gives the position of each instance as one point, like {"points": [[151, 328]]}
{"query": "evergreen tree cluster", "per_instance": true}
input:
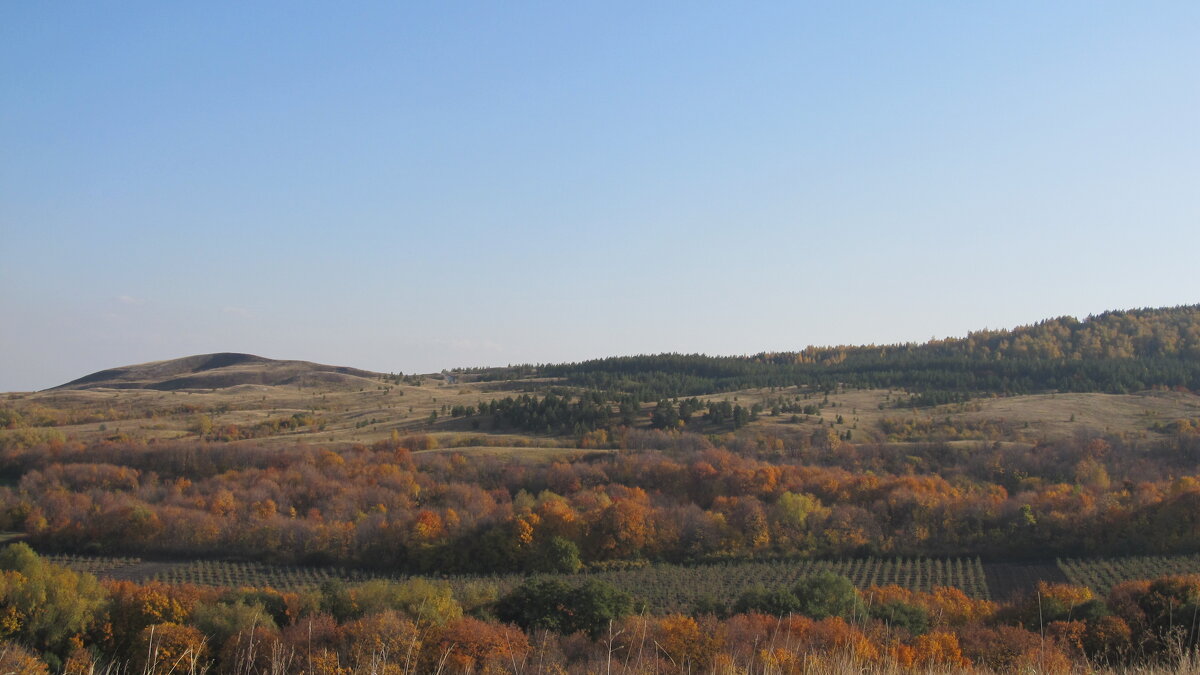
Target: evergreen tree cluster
{"points": [[551, 414], [1116, 352]]}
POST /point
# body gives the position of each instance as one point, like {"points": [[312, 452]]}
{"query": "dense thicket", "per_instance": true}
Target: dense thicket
{"points": [[663, 496]]}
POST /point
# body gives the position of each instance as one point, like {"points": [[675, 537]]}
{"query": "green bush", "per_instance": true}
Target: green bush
{"points": [[555, 605], [826, 594]]}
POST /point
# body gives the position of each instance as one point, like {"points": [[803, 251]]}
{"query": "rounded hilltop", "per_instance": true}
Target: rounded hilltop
{"points": [[216, 371]]}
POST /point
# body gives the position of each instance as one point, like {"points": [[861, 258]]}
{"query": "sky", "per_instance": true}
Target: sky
{"points": [[407, 187]]}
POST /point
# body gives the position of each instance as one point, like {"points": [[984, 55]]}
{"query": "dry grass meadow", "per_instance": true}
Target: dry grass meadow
{"points": [[355, 409]]}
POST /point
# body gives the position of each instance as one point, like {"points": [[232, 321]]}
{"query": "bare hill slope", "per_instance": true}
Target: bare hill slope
{"points": [[216, 371]]}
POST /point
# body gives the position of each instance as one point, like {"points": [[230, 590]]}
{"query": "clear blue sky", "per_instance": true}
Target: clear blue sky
{"points": [[410, 188]]}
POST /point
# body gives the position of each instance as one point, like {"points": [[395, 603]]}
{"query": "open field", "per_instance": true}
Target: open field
{"points": [[1030, 418], [335, 413], [342, 415], [525, 454], [239, 397]]}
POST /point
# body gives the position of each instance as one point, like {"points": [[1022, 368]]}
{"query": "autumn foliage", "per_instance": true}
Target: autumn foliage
{"points": [[383, 507], [374, 628]]}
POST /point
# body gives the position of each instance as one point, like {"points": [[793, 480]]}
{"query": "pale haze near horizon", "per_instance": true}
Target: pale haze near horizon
{"points": [[418, 188]]}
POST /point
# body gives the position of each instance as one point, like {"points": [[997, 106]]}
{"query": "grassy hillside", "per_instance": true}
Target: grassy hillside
{"points": [[217, 371], [1120, 372]]}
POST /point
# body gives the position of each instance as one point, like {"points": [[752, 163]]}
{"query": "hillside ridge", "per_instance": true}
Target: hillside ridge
{"points": [[214, 371]]}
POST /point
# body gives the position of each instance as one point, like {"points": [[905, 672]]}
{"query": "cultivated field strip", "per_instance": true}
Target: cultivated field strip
{"points": [[235, 574], [665, 588], [100, 566], [678, 588], [1101, 574]]}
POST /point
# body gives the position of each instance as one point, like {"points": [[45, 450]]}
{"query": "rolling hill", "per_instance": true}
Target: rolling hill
{"points": [[216, 371], [1131, 372]]}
